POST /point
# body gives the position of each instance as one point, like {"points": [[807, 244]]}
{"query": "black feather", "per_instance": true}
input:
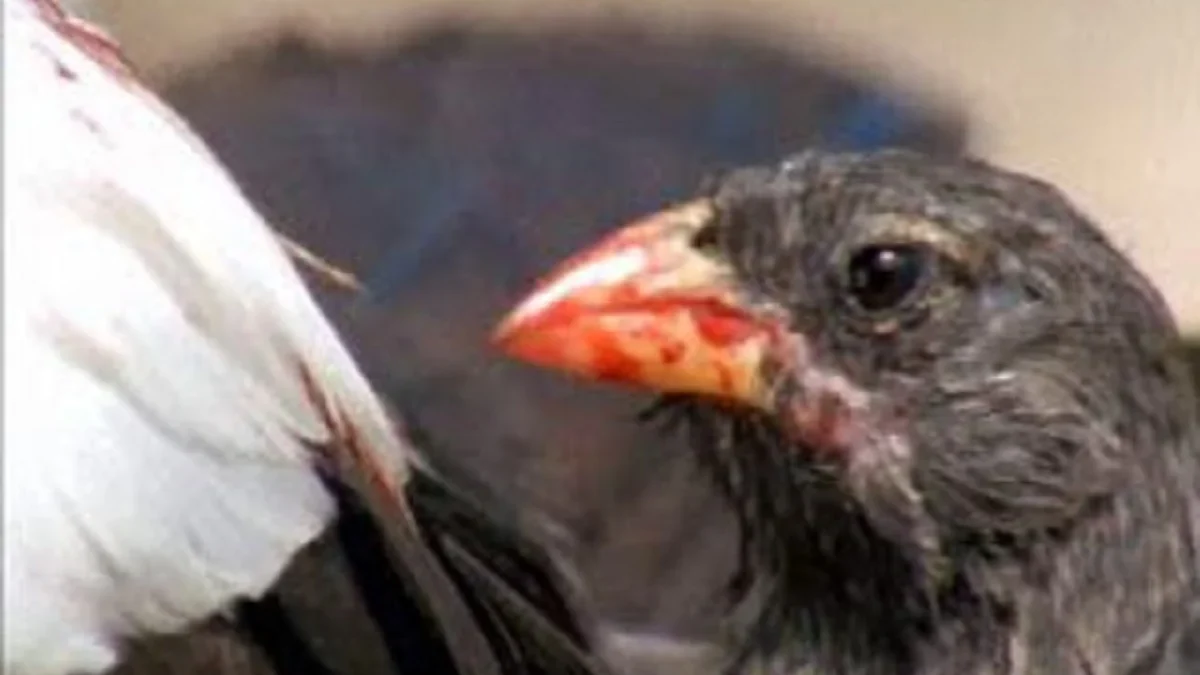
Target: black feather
{"points": [[522, 599]]}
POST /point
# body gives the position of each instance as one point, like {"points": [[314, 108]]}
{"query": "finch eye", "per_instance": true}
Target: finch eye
{"points": [[883, 276]]}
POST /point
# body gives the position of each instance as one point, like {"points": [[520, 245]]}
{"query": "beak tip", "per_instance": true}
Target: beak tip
{"points": [[505, 336], [501, 332], [518, 336], [517, 326]]}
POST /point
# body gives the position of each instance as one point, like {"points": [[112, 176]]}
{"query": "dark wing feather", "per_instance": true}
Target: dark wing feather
{"points": [[351, 603], [522, 602]]}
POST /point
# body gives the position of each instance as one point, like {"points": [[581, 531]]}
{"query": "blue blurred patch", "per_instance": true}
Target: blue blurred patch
{"points": [[739, 127], [867, 123]]}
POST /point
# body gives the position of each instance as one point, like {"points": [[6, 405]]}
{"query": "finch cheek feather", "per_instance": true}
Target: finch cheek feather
{"points": [[831, 419]]}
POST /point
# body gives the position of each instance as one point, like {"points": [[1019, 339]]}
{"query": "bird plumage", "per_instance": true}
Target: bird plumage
{"points": [[955, 421], [177, 407]]}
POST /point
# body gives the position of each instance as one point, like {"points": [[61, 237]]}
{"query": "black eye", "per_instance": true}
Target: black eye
{"points": [[883, 276]]}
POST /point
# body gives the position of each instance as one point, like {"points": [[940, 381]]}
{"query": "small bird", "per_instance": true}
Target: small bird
{"points": [[954, 420], [181, 421]]}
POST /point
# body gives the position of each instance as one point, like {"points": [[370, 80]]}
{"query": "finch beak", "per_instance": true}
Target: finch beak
{"points": [[645, 308]]}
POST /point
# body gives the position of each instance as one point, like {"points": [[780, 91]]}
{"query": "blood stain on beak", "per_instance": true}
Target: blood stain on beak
{"points": [[643, 307]]}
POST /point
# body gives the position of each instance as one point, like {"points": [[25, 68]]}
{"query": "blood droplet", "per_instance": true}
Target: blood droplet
{"points": [[671, 353]]}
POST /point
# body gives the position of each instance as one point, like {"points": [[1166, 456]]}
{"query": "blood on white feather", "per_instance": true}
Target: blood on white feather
{"points": [[161, 359]]}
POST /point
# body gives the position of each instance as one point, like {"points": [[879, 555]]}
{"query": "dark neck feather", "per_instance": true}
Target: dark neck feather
{"points": [[833, 592]]}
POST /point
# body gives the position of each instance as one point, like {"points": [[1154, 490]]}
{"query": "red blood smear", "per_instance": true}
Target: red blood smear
{"points": [[87, 38], [670, 349], [609, 360], [544, 337], [718, 323], [824, 423], [724, 329], [671, 353]]}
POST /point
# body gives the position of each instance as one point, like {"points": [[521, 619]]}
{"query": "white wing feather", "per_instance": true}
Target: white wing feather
{"points": [[166, 372]]}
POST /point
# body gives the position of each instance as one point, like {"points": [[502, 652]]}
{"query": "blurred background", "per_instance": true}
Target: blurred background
{"points": [[448, 151]]}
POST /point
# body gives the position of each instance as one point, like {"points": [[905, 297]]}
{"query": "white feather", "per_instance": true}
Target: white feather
{"points": [[159, 427]]}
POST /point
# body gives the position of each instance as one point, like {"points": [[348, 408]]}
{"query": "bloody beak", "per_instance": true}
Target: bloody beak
{"points": [[644, 307]]}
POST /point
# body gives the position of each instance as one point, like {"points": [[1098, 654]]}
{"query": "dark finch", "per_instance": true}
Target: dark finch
{"points": [[953, 418]]}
